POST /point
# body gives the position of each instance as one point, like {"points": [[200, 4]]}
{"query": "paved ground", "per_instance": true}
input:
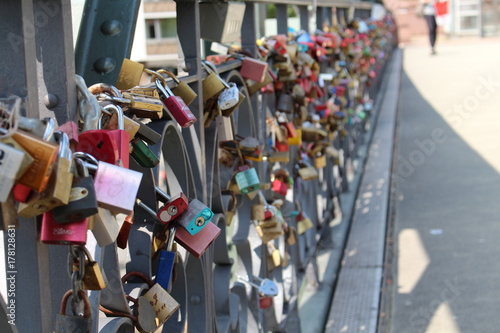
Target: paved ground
{"points": [[447, 209]]}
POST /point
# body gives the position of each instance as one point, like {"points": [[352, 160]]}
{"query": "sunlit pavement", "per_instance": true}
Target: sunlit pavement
{"points": [[446, 226]]}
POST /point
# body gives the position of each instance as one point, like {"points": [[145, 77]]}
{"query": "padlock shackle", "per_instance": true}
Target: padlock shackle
{"points": [[119, 111], [162, 88], [211, 68], [162, 195], [87, 311], [63, 140], [169, 73], [148, 209], [99, 88], [90, 120], [139, 275]]}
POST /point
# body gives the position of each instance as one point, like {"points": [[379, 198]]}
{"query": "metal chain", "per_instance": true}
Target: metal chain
{"points": [[76, 254]]}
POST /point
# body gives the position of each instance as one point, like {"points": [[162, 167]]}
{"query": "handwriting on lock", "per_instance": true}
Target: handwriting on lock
{"points": [[114, 185]]}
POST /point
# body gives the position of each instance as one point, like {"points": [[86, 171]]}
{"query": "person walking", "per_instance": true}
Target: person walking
{"points": [[429, 14]]}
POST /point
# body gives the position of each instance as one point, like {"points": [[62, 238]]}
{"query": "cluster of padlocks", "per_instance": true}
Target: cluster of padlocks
{"points": [[83, 179]]}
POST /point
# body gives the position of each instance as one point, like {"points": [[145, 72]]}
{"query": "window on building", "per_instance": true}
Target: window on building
{"points": [[161, 28]]}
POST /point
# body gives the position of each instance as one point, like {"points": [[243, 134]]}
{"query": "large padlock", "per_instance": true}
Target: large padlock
{"points": [[247, 179], [77, 323], [58, 189], [197, 244], [99, 143], [11, 160], [224, 128], [166, 260], [45, 155], [115, 187], [196, 217], [130, 74], [182, 89], [173, 206], [175, 105], [82, 200], [73, 233]]}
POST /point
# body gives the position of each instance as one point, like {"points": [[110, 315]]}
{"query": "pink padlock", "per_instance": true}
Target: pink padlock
{"points": [[74, 233]]}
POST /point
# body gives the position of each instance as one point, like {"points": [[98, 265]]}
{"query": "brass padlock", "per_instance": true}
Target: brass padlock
{"points": [[182, 89], [213, 85], [92, 278]]}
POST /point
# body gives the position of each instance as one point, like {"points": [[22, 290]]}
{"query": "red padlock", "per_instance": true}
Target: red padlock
{"points": [[100, 144], [21, 192], [121, 137], [265, 302], [74, 233], [198, 243], [253, 69], [175, 105], [280, 187]]}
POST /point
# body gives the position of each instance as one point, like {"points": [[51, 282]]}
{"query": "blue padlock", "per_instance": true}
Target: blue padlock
{"points": [[166, 261]]}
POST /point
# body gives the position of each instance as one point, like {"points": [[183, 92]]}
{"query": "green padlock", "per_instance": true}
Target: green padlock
{"points": [[142, 154]]}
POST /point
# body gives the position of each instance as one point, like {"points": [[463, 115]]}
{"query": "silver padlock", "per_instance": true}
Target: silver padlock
{"points": [[229, 97]]}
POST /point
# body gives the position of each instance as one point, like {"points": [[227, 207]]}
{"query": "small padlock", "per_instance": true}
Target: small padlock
{"points": [[130, 126], [141, 105], [197, 244], [253, 69], [247, 179], [58, 189], [45, 155], [196, 217], [82, 201], [21, 193], [77, 323], [224, 128], [175, 105], [172, 207], [130, 74], [121, 137], [73, 233], [258, 212], [320, 161], [265, 287], [229, 97], [213, 85], [11, 160], [304, 223], [279, 187], [166, 260], [279, 156], [142, 154], [308, 173], [92, 278]]}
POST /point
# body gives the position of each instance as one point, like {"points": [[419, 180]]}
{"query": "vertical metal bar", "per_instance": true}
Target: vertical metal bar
{"points": [[248, 33], [18, 67], [54, 42], [328, 13], [320, 17], [282, 18], [188, 30], [304, 18], [105, 38]]}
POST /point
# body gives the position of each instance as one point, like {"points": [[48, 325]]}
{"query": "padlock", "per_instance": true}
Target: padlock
{"points": [[77, 323], [297, 140], [247, 179], [105, 227], [253, 69], [212, 85], [173, 205], [291, 235], [273, 258], [82, 200], [130, 74], [279, 157], [142, 154], [141, 105], [195, 217], [123, 234], [27, 158], [182, 89], [285, 103], [58, 189], [163, 304], [265, 287], [73, 233], [99, 143], [257, 212], [146, 91], [197, 244], [224, 128], [121, 137], [308, 173], [304, 223], [253, 86], [279, 187], [229, 97], [45, 155], [175, 105], [319, 161], [92, 276], [21, 193], [166, 260], [115, 187], [130, 126], [11, 160]]}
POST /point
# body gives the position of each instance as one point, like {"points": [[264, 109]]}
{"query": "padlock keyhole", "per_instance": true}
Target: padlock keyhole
{"points": [[99, 145]]}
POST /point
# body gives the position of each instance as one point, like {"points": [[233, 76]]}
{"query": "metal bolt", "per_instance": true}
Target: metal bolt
{"points": [[50, 101], [195, 300], [104, 65], [111, 27]]}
